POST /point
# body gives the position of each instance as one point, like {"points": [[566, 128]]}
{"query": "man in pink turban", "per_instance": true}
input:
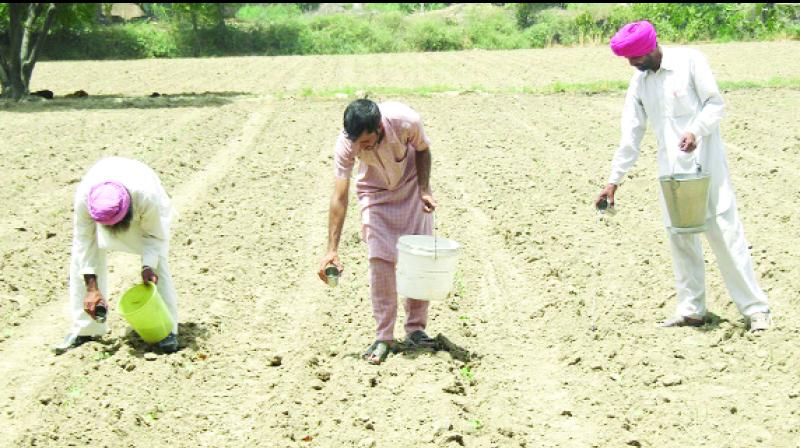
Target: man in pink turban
{"points": [[676, 92], [634, 40], [119, 205]]}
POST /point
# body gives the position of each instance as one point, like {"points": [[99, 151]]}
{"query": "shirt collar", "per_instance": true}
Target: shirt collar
{"points": [[667, 61], [390, 136]]}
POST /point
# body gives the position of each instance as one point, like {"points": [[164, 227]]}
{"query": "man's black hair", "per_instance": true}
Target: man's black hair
{"points": [[124, 224], [361, 116]]}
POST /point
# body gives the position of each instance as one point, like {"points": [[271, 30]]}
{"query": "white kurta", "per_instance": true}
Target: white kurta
{"points": [[683, 96], [148, 236]]}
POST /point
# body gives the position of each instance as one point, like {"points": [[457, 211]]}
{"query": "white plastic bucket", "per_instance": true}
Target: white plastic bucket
{"points": [[426, 267]]}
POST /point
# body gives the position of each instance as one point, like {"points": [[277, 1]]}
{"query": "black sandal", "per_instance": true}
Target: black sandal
{"points": [[419, 339]]}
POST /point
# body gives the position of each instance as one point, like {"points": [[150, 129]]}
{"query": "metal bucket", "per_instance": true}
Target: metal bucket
{"points": [[686, 196]]}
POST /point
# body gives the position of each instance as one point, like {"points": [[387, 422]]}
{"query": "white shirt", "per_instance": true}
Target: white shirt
{"points": [[681, 96], [148, 234]]}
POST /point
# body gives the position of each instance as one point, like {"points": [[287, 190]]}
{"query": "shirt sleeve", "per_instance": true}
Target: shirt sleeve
{"points": [[154, 230], [634, 125], [713, 107], [84, 237], [344, 157], [416, 134]]}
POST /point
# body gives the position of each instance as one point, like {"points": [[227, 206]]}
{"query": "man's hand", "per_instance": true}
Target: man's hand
{"points": [[148, 275], [93, 298], [688, 142], [328, 259], [607, 194], [428, 203]]}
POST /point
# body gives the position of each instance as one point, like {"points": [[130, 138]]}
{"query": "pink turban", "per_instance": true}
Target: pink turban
{"points": [[108, 202], [634, 40]]}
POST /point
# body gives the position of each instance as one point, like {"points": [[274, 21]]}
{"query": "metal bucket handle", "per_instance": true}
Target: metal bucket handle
{"points": [[674, 184], [433, 218]]}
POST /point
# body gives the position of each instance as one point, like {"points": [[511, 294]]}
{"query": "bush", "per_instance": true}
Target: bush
{"points": [[527, 13], [280, 29], [283, 38], [134, 41], [274, 12], [426, 33], [492, 28], [405, 8], [153, 43], [347, 34], [553, 27]]}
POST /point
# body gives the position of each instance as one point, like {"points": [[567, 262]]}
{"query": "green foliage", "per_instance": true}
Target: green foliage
{"points": [[75, 16], [347, 34], [405, 8], [427, 33], [308, 7], [281, 38], [526, 13], [268, 13], [553, 26], [493, 28], [207, 29], [131, 41], [686, 22]]}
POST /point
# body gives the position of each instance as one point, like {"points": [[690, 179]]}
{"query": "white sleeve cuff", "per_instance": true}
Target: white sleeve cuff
{"points": [[87, 271]]}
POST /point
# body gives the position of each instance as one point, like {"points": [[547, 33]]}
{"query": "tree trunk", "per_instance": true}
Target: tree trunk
{"points": [[28, 27], [220, 17], [195, 37]]}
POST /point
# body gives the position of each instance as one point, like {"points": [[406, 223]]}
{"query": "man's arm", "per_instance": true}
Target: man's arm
{"points": [[633, 126], [155, 235], [423, 164], [713, 108], [84, 238], [336, 215], [85, 250]]}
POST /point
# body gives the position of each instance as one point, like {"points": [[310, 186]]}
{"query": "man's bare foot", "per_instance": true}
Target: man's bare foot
{"points": [[378, 351], [682, 321]]}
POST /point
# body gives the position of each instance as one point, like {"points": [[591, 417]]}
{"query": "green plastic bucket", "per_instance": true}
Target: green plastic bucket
{"points": [[146, 312]]}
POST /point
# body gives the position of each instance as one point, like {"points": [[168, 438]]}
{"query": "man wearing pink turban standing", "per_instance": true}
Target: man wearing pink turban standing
{"points": [[119, 205], [675, 89]]}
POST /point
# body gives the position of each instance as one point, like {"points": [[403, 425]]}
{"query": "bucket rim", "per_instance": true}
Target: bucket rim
{"points": [[150, 288], [444, 245], [685, 176]]}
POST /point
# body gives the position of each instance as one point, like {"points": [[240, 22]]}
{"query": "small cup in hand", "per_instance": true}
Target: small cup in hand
{"points": [[332, 273], [100, 312], [603, 208]]}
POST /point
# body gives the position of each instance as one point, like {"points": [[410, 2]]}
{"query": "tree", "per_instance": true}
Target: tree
{"points": [[201, 16], [25, 33]]}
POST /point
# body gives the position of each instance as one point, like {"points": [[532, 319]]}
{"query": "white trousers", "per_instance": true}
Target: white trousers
{"points": [[84, 325], [725, 235]]}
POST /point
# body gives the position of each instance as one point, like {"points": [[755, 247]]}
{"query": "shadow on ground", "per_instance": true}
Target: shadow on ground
{"points": [[713, 322], [443, 344], [99, 102], [189, 334]]}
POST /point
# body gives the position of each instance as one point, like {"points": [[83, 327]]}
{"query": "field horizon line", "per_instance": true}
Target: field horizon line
{"points": [[558, 87]]}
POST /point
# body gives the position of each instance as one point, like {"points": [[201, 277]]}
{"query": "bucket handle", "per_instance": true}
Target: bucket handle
{"points": [[695, 158], [433, 218]]}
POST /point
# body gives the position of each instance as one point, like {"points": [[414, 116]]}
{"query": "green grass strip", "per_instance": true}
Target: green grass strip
{"points": [[557, 87]]}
